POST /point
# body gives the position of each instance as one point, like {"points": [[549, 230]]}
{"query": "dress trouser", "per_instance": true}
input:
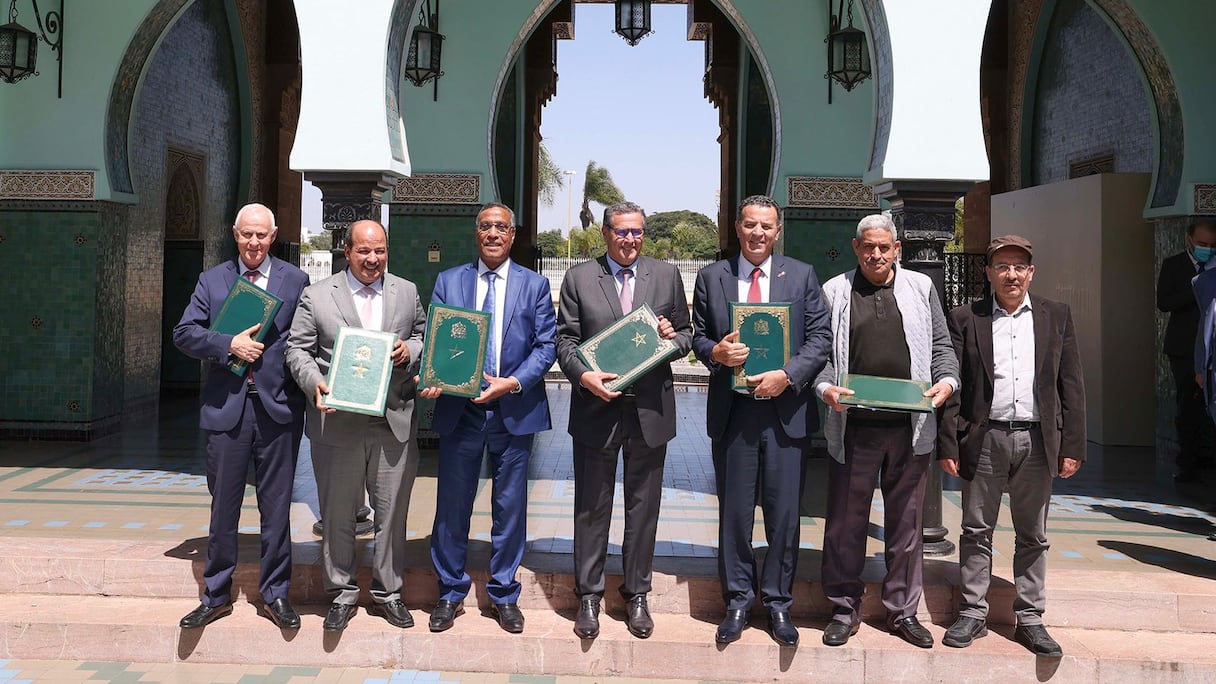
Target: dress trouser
{"points": [[1013, 459], [480, 429], [1191, 420], [881, 452], [755, 461], [375, 461], [594, 485], [272, 447]]}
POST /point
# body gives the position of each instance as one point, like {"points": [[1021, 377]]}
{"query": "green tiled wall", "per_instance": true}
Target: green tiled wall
{"points": [[411, 234], [822, 238]]}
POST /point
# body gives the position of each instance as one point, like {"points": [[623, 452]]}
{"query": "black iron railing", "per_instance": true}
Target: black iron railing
{"points": [[965, 279]]}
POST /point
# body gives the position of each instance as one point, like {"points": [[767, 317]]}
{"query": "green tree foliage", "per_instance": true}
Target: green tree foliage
{"points": [[661, 224], [586, 243], [549, 178], [684, 234], [551, 243], [597, 187], [956, 245]]}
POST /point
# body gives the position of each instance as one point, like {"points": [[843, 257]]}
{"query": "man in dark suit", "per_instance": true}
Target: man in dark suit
{"points": [[1176, 297], [352, 452], [256, 417], [760, 437], [640, 420], [503, 419], [1017, 421]]}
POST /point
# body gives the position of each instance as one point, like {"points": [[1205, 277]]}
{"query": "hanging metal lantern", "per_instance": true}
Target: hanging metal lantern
{"points": [[423, 61], [18, 52], [848, 55], [633, 20]]}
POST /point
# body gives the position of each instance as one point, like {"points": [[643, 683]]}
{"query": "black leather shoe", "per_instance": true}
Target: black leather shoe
{"points": [[587, 623], [637, 617], [394, 612], [282, 614], [444, 615], [204, 614], [964, 631], [732, 626], [509, 617], [339, 614], [1036, 638], [837, 633], [910, 630], [782, 629]]}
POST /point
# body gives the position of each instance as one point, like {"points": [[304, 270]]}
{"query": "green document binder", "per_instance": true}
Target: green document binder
{"points": [[765, 329], [359, 371], [891, 394], [629, 348], [454, 352], [245, 305]]}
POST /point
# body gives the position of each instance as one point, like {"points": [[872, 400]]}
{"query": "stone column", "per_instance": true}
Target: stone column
{"points": [[346, 197], [923, 212]]}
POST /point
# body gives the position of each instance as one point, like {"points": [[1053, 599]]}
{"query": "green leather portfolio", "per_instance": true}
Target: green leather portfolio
{"points": [[359, 371], [454, 351], [629, 348], [245, 305], [765, 329], [891, 394]]}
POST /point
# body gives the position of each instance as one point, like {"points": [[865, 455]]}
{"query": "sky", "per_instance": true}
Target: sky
{"points": [[639, 111]]}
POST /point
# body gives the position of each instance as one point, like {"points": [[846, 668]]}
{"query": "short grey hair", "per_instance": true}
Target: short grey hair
{"points": [[877, 222], [622, 208], [760, 201], [495, 205], [251, 208]]}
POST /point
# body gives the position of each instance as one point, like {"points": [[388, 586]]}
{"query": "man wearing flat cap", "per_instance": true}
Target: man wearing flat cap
{"points": [[1017, 421]]}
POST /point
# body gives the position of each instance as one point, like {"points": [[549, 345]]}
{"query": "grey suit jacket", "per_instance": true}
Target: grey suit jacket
{"points": [[326, 306], [589, 303]]}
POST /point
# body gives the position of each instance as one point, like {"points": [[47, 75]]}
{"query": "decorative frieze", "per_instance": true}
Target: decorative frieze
{"points": [[1205, 198], [48, 185], [830, 193], [439, 188]]}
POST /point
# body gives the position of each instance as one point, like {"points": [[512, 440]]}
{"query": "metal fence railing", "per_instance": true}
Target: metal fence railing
{"points": [[964, 279]]}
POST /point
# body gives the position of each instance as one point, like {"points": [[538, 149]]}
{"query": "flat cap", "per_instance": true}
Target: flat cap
{"points": [[1010, 241]]}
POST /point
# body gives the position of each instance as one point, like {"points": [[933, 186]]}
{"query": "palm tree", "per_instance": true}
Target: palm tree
{"points": [[598, 187], [548, 177]]}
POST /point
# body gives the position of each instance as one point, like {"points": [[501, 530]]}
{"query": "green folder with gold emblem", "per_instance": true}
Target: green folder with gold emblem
{"points": [[629, 348], [454, 351], [889, 394], [765, 329], [245, 305], [359, 371]]}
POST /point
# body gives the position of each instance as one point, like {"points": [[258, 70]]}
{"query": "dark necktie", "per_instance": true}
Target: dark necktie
{"points": [[251, 276], [491, 364]]}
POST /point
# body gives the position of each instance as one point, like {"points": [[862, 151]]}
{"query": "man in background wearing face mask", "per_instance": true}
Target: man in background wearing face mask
{"points": [[1174, 295]]}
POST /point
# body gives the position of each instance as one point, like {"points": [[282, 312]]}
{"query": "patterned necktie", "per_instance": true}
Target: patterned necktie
{"points": [[753, 292], [251, 276], [491, 365], [626, 295], [365, 312]]}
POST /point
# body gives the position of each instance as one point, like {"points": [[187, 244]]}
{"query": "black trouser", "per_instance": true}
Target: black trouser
{"points": [[1191, 420]]}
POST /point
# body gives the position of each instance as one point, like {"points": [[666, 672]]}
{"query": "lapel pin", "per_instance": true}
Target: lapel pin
{"points": [[781, 274]]}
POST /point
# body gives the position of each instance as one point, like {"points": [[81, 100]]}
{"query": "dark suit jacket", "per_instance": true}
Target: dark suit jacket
{"points": [[223, 393], [589, 303], [1059, 388], [526, 351], [328, 305], [811, 339], [1176, 297]]}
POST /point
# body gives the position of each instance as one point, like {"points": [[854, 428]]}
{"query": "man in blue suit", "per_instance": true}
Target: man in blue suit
{"points": [[503, 419], [1204, 285], [258, 417]]}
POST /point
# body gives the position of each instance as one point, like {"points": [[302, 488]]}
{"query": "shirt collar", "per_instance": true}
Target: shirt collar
{"points": [[263, 269], [502, 269], [616, 268], [997, 310], [745, 267], [353, 283]]}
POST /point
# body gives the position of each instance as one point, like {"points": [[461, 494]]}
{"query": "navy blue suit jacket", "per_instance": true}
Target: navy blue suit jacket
{"points": [[526, 351], [810, 339], [223, 394]]}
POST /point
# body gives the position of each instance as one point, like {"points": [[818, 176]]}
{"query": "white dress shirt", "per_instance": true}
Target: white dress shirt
{"points": [[263, 278], [1013, 363], [745, 277], [356, 293], [615, 269]]}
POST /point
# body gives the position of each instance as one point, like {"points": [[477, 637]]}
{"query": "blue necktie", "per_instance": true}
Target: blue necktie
{"points": [[491, 364]]}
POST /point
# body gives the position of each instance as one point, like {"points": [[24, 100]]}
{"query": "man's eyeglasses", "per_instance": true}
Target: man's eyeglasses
{"points": [[500, 228], [626, 232], [1020, 269]]}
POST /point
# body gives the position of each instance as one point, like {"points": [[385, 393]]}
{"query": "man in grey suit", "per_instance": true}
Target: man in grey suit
{"points": [[353, 453], [640, 420]]}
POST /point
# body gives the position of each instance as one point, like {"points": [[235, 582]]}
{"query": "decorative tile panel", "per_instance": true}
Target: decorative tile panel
{"points": [[1205, 198], [831, 193], [48, 185], [439, 188]]}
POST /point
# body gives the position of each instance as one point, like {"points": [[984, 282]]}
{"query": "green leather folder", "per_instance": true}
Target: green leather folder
{"points": [[765, 329], [629, 348], [890, 394], [359, 371], [245, 305], [454, 351]]}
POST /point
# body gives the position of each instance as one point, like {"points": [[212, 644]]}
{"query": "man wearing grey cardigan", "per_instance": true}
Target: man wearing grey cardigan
{"points": [[886, 321]]}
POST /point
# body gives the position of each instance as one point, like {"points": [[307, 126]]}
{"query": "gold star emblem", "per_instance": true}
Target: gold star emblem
{"points": [[359, 369], [638, 339], [761, 352]]}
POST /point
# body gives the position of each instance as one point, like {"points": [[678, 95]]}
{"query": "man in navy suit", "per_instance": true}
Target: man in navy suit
{"points": [[257, 417], [760, 437], [502, 420]]}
